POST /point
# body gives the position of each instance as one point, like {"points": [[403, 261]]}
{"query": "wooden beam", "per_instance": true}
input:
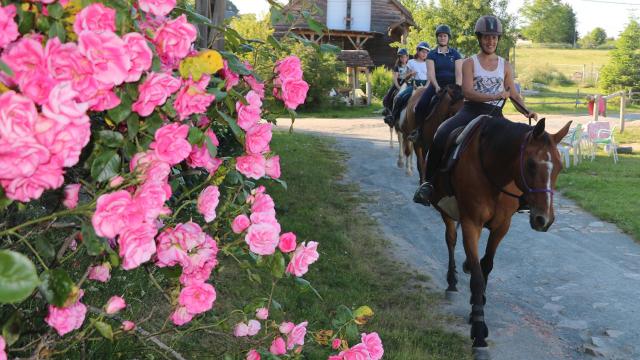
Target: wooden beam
{"points": [[214, 10]]}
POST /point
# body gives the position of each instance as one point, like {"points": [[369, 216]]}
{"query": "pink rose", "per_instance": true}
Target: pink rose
{"points": [[128, 325], [287, 242], [336, 343], [255, 85], [62, 107], [373, 344], [305, 255], [21, 158], [272, 167], [37, 85], [297, 334], [181, 316], [334, 357], [357, 352], [47, 176], [262, 313], [208, 201], [95, 17], [231, 79], [200, 156], [278, 346], [150, 199], [68, 318], [171, 143], [263, 203], [251, 165], [24, 57], [249, 115], [286, 327], [141, 55], [169, 250], [294, 92], [116, 181], [3, 353], [65, 62], [240, 223], [115, 304], [104, 98], [240, 330], [64, 141], [108, 54], [18, 116], [258, 138], [289, 68], [193, 98], [197, 298], [8, 27], [71, 195], [253, 355], [173, 40], [100, 272], [157, 7], [262, 238], [136, 245], [154, 91], [113, 213], [253, 327]]}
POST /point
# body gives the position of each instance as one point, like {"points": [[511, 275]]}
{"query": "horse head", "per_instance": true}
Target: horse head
{"points": [[539, 168]]}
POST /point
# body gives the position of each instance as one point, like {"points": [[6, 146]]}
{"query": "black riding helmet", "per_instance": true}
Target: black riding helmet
{"points": [[402, 51], [488, 25], [443, 29]]}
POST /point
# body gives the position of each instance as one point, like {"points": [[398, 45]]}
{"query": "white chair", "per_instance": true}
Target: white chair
{"points": [[572, 141]]}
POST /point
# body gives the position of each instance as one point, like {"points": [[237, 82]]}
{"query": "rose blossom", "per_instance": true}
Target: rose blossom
{"points": [[181, 316], [255, 85], [108, 54], [263, 203], [154, 91], [286, 327], [258, 138], [262, 313], [231, 79], [251, 165], [334, 357], [287, 242], [141, 55], [47, 176], [113, 213], [37, 85], [173, 40], [294, 92], [3, 353], [249, 115], [289, 68], [171, 143], [100, 272], [8, 27], [253, 327], [128, 325], [272, 167], [262, 238], [278, 346], [373, 344], [208, 201], [67, 319], [116, 181], [137, 245], [193, 97], [253, 355], [297, 334], [18, 116], [305, 255], [197, 298], [240, 330], [24, 57], [71, 196], [157, 7], [335, 344], [115, 304], [240, 223], [200, 156], [95, 17], [356, 352]]}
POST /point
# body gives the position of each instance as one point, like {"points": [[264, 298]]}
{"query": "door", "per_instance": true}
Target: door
{"points": [[337, 14], [361, 15]]}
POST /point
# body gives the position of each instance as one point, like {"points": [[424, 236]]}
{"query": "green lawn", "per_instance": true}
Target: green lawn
{"points": [[567, 61], [344, 112]]}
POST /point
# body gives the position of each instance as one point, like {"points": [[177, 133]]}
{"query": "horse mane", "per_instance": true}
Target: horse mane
{"points": [[503, 135]]}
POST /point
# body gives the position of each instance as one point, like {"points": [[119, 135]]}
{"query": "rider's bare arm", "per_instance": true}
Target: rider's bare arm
{"points": [[467, 85], [458, 67], [513, 92], [395, 80], [431, 74]]}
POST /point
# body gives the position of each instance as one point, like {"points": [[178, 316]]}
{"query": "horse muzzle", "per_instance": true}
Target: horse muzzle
{"points": [[540, 221]]}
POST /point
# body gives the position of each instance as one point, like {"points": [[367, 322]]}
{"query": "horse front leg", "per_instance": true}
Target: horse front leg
{"points": [[479, 330], [450, 236], [400, 162], [408, 157], [391, 137], [419, 153], [495, 236]]}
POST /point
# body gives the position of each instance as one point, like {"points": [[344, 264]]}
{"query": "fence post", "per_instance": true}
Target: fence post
{"points": [[622, 109], [596, 107]]}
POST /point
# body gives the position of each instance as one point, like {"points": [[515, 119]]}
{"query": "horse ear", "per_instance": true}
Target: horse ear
{"points": [[557, 137], [539, 129]]}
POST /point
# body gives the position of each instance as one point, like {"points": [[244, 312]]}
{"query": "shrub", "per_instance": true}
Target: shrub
{"points": [[381, 80], [542, 74]]}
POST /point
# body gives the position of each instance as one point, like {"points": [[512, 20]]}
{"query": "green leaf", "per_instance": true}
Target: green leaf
{"points": [[168, 108], [130, 149], [237, 131], [213, 150], [105, 166], [133, 126], [57, 30], [43, 24], [276, 16], [235, 64], [104, 329], [193, 16], [5, 68], [153, 123], [329, 48], [55, 10], [55, 286], [274, 42], [44, 247], [196, 136], [119, 113], [112, 139], [18, 277], [315, 25], [281, 182], [91, 241], [26, 21], [352, 331], [277, 265], [12, 328], [305, 285]]}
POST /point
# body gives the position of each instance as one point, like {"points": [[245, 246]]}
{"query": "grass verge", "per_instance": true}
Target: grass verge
{"points": [[342, 111]]}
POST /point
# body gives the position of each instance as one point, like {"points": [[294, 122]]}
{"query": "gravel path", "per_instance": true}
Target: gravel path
{"points": [[570, 293]]}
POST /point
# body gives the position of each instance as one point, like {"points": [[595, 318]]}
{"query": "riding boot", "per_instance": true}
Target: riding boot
{"points": [[415, 135], [423, 194]]}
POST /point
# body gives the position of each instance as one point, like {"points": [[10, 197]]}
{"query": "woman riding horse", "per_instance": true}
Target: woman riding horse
{"points": [[400, 71], [418, 71], [487, 79], [444, 66]]}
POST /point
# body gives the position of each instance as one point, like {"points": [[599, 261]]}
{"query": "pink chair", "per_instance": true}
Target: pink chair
{"points": [[601, 133]]}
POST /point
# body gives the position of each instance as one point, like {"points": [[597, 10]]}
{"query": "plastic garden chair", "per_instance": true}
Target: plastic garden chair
{"points": [[600, 133], [572, 141]]}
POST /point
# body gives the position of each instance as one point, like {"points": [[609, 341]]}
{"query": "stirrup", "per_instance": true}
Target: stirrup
{"points": [[423, 193], [414, 136]]}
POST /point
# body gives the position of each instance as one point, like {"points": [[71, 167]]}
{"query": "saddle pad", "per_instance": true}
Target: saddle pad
{"points": [[469, 129]]}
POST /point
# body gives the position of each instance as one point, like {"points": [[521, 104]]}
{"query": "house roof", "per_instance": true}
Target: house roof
{"points": [[356, 58], [405, 12]]}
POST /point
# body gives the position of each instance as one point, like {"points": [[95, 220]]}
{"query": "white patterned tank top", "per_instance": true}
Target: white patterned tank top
{"points": [[488, 82]]}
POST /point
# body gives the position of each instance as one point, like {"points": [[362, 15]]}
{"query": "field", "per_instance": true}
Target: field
{"points": [[566, 61]]}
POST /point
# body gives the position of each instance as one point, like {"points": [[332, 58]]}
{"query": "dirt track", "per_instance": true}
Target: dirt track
{"points": [[564, 294]]}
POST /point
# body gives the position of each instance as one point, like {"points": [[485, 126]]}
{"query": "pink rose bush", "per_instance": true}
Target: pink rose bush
{"points": [[67, 319], [370, 348], [193, 98], [157, 7], [208, 201], [305, 255], [8, 26], [100, 272], [290, 87], [114, 305], [154, 91]]}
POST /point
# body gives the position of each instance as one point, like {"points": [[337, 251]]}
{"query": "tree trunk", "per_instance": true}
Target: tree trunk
{"points": [[214, 10]]}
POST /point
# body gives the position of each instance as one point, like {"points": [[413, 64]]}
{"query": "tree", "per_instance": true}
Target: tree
{"points": [[623, 70], [594, 39], [249, 27], [461, 16], [549, 21]]}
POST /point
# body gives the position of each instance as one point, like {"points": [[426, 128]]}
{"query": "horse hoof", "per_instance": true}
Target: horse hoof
{"points": [[400, 164], [451, 295], [409, 173], [481, 353]]}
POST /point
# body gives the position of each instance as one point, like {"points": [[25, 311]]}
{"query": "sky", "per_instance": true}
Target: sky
{"points": [[611, 15]]}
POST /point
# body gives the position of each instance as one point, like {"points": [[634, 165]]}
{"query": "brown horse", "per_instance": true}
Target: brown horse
{"points": [[445, 104], [502, 162]]}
